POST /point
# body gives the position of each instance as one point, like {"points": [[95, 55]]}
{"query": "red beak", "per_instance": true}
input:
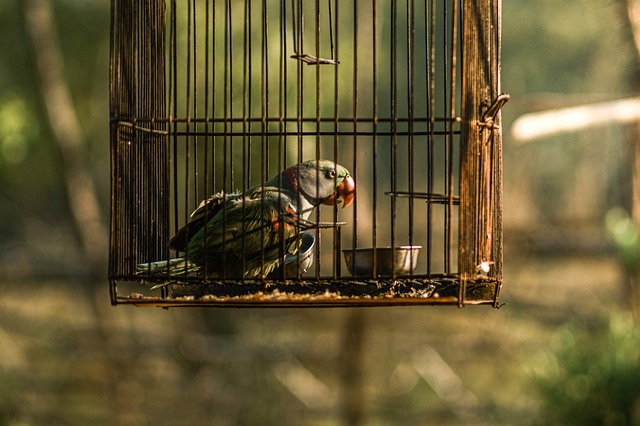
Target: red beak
{"points": [[346, 191]]}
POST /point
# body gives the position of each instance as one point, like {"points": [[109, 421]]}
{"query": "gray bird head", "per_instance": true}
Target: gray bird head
{"points": [[319, 182]]}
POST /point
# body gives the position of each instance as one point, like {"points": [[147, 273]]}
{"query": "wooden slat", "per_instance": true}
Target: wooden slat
{"points": [[481, 144]]}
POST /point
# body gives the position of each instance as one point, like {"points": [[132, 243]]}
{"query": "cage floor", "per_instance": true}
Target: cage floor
{"points": [[414, 291]]}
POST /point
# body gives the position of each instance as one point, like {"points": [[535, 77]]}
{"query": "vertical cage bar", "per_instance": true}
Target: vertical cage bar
{"points": [[394, 122], [245, 99], [205, 115], [265, 111], [317, 123], [374, 151], [447, 138], [172, 100], [187, 105], [354, 216], [193, 117], [337, 231], [282, 108], [410, 114], [430, 53], [214, 93]]}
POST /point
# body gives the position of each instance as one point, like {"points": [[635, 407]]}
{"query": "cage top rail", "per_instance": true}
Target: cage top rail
{"points": [[288, 119]]}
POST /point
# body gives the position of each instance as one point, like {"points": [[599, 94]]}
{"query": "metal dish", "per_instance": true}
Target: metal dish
{"points": [[301, 261], [389, 260]]}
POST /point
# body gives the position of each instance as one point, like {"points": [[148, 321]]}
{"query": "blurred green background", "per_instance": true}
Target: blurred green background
{"points": [[564, 350]]}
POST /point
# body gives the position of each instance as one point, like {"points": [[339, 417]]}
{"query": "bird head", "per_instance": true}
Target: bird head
{"points": [[322, 182]]}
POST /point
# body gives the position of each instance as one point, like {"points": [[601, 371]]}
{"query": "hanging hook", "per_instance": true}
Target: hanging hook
{"points": [[489, 117]]}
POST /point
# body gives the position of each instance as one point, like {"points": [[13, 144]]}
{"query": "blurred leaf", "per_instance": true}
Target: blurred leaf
{"points": [[594, 376], [625, 234], [17, 130]]}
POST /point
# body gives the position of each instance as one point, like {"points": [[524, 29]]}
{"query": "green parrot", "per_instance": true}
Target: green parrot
{"points": [[248, 234]]}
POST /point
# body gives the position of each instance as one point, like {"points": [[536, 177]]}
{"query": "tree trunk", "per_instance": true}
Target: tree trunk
{"points": [[67, 133]]}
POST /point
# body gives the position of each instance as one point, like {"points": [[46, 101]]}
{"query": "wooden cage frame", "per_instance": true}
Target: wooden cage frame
{"points": [[141, 126]]}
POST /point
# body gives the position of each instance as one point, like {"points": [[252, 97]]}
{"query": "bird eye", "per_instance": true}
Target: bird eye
{"points": [[331, 174]]}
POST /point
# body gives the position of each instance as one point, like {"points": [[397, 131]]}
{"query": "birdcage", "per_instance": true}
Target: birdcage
{"points": [[212, 100]]}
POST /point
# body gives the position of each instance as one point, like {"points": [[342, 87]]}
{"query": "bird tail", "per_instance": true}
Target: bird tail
{"points": [[178, 266]]}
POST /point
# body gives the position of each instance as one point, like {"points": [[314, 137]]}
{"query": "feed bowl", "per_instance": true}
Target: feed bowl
{"points": [[302, 260], [360, 260]]}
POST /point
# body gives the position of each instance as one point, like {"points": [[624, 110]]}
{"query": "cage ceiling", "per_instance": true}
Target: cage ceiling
{"points": [[222, 100]]}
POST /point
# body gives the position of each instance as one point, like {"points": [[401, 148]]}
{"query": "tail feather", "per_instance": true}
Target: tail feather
{"points": [[178, 266]]}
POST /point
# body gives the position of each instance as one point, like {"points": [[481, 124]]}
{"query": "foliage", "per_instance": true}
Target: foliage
{"points": [[591, 374], [625, 235]]}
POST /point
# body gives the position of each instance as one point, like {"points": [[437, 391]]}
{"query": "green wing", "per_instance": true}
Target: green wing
{"points": [[199, 218], [247, 236]]}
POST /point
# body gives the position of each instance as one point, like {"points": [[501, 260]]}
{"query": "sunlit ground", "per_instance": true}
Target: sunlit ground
{"points": [[68, 357]]}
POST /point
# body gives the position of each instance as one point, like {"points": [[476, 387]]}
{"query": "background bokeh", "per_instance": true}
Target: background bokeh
{"points": [[565, 349]]}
